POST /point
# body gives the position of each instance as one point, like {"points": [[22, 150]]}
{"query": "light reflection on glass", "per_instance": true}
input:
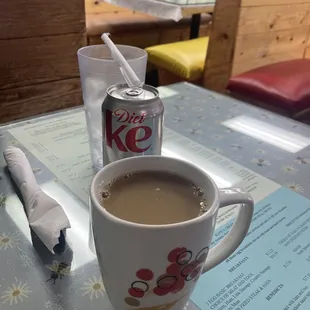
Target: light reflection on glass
{"points": [[212, 170], [279, 137], [77, 235]]}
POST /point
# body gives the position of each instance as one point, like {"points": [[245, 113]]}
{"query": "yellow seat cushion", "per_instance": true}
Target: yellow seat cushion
{"points": [[186, 59]]}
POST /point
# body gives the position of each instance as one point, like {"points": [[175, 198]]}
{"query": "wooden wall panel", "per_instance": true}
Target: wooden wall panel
{"points": [[96, 6], [307, 49], [39, 70], [39, 59], [273, 18], [269, 34], [100, 7], [30, 18], [307, 53], [256, 46], [36, 99]]}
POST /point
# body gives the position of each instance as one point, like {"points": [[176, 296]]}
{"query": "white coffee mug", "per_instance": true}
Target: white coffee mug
{"points": [[155, 267]]}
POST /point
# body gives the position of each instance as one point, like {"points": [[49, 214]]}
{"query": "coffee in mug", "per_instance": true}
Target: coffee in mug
{"points": [[153, 198]]}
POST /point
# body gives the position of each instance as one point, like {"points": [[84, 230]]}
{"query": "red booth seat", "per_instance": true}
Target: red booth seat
{"points": [[284, 85]]}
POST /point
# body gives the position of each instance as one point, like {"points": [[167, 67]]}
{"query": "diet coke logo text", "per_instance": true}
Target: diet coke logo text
{"points": [[125, 118]]}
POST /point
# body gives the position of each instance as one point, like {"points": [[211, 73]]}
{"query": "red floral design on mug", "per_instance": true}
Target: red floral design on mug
{"points": [[182, 266]]}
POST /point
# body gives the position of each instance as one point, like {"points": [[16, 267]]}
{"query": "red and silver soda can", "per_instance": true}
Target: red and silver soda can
{"points": [[132, 122]]}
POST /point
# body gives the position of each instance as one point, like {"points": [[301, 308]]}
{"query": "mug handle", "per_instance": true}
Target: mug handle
{"points": [[230, 196]]}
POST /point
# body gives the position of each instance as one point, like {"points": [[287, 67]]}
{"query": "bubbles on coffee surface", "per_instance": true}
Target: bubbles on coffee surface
{"points": [[203, 207], [197, 191], [105, 194]]}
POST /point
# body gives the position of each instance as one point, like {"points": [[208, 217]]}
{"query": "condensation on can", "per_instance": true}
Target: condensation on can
{"points": [[132, 121]]}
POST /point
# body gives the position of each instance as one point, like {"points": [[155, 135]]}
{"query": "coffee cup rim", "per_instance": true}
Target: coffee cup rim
{"points": [[211, 212]]}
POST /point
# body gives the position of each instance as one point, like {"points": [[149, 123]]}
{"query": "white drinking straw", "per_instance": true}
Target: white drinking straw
{"points": [[129, 75]]}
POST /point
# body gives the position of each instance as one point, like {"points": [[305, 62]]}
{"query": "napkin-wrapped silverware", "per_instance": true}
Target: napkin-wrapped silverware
{"points": [[45, 216]]}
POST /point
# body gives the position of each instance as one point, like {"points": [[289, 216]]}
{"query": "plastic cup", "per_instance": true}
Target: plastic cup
{"points": [[98, 71]]}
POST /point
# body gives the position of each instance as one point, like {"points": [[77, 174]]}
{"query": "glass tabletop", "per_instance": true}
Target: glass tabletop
{"points": [[237, 144]]}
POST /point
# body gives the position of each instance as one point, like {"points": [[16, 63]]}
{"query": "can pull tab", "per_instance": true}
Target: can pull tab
{"points": [[133, 92]]}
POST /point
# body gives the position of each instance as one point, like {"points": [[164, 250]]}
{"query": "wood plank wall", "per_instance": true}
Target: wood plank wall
{"points": [[269, 33], [254, 33], [39, 71]]}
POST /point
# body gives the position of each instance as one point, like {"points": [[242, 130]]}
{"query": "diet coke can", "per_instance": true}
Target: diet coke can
{"points": [[132, 122]]}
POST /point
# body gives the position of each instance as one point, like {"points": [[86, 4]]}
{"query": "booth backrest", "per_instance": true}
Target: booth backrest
{"points": [[247, 34]]}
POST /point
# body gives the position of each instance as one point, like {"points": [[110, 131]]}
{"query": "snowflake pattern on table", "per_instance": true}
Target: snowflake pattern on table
{"points": [[48, 304], [58, 297], [177, 107], [216, 149], [302, 161], [195, 132], [289, 169], [228, 130], [196, 124], [216, 137], [53, 305], [56, 303], [236, 147], [25, 260], [37, 171], [93, 288], [177, 120], [201, 117], [260, 162], [260, 151], [198, 109], [16, 293]]}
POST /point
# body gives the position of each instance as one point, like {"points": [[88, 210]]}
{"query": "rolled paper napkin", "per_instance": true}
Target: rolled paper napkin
{"points": [[45, 215]]}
